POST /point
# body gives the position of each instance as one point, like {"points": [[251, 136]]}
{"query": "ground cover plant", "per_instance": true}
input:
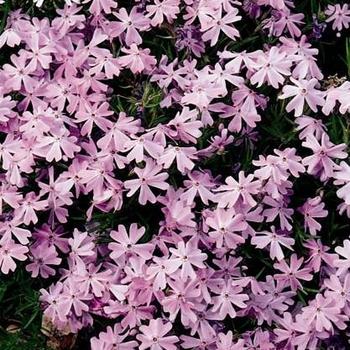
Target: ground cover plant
{"points": [[174, 174]]}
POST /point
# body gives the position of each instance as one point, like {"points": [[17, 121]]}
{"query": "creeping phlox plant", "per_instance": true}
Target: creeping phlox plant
{"points": [[175, 173]]}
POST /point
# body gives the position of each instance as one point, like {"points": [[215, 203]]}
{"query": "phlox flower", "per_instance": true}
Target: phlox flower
{"points": [[137, 60], [81, 245], [219, 23], [42, 257], [225, 342], [229, 294], [319, 254], [9, 252], [57, 307], [163, 8], [113, 337], [271, 67], [149, 176], [339, 16], [310, 126], [312, 209], [224, 227], [234, 191], [323, 312], [291, 274], [184, 157], [154, 336], [28, 207], [342, 177], [324, 151], [181, 299], [10, 37], [126, 244], [131, 24], [185, 256], [304, 92], [274, 240], [344, 252]]}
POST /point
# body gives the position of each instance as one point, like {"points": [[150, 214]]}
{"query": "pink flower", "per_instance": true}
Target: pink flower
{"points": [[225, 224], [225, 342], [271, 67], [185, 126], [9, 251], [310, 126], [184, 157], [160, 271], [10, 37], [342, 177], [199, 184], [19, 73], [344, 251], [219, 23], [181, 299], [187, 255], [42, 257], [321, 162], [322, 312], [154, 337], [137, 59], [265, 238], [127, 243], [28, 207], [311, 209], [59, 145], [229, 295], [149, 176], [240, 191], [293, 273], [113, 338], [318, 254], [161, 9], [130, 24], [303, 91], [339, 15], [81, 245], [92, 114]]}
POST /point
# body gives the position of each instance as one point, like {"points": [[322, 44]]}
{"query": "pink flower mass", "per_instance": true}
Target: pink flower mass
{"points": [[174, 174]]}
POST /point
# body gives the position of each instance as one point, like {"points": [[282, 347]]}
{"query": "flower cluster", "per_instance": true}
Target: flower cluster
{"points": [[110, 188]]}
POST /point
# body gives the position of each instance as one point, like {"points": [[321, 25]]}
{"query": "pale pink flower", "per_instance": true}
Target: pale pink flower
{"points": [[228, 295], [339, 15], [274, 240], [219, 23], [9, 251], [131, 24], [271, 67], [149, 176], [137, 60], [187, 255], [241, 191], [225, 225], [304, 92], [184, 157], [324, 151], [113, 338], [154, 336], [42, 257], [126, 244], [293, 273], [323, 312], [163, 8], [313, 209]]}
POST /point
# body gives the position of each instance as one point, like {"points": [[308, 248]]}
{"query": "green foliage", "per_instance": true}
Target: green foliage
{"points": [[20, 314]]}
